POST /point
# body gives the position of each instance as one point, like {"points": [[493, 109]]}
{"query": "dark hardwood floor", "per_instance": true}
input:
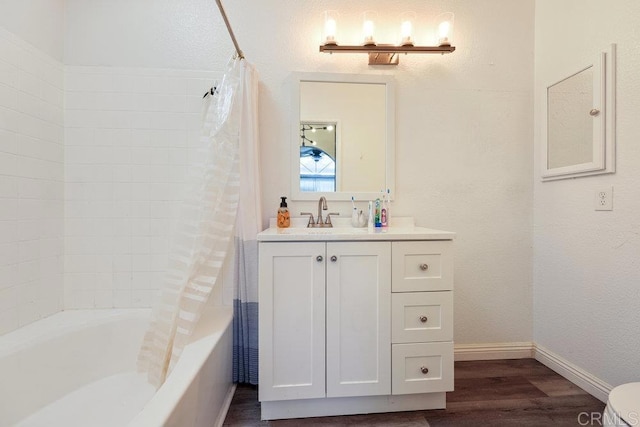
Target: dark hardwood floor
{"points": [[520, 392]]}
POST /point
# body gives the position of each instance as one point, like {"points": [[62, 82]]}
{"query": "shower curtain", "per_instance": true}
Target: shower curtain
{"points": [[245, 302], [223, 194]]}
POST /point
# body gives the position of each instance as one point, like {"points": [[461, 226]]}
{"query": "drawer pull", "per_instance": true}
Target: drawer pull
{"points": [[424, 267], [334, 258], [424, 370], [319, 258], [424, 319]]}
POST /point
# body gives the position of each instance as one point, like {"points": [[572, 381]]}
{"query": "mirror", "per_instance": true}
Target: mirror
{"points": [[342, 136], [570, 127], [579, 125]]}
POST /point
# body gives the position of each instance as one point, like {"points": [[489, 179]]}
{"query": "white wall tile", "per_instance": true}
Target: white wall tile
{"points": [[126, 142], [31, 183]]}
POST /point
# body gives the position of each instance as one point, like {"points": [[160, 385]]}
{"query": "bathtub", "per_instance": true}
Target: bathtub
{"points": [[78, 368]]}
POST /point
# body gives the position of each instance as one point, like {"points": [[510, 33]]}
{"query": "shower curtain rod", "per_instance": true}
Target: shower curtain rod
{"points": [[233, 37], [239, 53]]}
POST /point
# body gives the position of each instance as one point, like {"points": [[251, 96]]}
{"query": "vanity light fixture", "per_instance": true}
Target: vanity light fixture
{"points": [[387, 54]]}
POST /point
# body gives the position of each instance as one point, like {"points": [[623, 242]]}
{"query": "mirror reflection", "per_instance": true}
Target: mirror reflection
{"points": [[344, 136], [317, 157], [570, 125]]}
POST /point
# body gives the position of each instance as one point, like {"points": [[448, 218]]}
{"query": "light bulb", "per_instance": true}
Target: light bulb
{"points": [[330, 27], [368, 27], [330, 30], [406, 28], [445, 29]]}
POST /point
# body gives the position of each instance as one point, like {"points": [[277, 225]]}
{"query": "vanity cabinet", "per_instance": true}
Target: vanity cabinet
{"points": [[422, 317], [295, 323], [292, 320], [355, 326]]}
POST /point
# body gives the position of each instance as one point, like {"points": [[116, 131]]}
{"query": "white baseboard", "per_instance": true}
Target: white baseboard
{"points": [[492, 351], [225, 406], [522, 350], [589, 383]]}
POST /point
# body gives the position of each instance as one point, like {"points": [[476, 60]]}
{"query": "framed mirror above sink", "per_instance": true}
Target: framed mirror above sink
{"points": [[342, 136], [579, 125]]}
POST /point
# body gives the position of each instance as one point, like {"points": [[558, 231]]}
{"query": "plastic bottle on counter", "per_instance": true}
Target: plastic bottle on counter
{"points": [[384, 215], [284, 218]]}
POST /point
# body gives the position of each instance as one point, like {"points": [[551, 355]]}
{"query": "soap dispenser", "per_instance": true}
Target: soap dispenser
{"points": [[284, 220]]}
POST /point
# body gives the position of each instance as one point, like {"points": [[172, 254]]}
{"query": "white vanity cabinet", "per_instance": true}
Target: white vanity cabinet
{"points": [[292, 320], [333, 294], [422, 317], [354, 323]]}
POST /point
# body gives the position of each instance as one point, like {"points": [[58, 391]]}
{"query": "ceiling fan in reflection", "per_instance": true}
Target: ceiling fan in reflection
{"points": [[314, 152]]}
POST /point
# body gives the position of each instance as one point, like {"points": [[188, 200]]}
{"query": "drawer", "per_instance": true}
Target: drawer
{"points": [[421, 368], [421, 266], [421, 316]]}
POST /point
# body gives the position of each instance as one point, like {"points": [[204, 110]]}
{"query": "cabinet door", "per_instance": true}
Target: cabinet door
{"points": [[292, 320], [358, 319]]}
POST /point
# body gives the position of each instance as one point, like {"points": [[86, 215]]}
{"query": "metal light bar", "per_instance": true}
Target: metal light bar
{"points": [[386, 49], [385, 54]]}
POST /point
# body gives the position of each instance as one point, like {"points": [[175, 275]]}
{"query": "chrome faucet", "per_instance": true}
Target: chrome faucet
{"points": [[322, 206], [318, 222]]}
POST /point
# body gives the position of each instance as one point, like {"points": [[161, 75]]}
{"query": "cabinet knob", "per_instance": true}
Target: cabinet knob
{"points": [[424, 319], [424, 267], [424, 370], [594, 112], [334, 258], [319, 258]]}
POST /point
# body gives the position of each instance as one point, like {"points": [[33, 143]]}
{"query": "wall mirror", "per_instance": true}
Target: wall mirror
{"points": [[342, 136], [579, 125]]}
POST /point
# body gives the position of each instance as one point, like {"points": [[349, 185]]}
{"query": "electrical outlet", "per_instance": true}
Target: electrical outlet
{"points": [[604, 199]]}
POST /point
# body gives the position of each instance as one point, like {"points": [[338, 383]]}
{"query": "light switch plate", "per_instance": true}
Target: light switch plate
{"points": [[603, 200]]}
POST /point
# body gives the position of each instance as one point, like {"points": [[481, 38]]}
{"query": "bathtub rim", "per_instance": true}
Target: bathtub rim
{"points": [[63, 323], [166, 399]]}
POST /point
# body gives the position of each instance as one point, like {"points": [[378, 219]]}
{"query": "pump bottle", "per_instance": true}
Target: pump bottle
{"points": [[284, 220]]}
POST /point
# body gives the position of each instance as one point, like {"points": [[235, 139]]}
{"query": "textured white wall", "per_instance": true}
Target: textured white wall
{"points": [[31, 182], [586, 264], [38, 22], [146, 33], [464, 121]]}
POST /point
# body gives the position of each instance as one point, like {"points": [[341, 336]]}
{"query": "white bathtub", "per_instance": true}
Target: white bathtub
{"points": [[78, 368]]}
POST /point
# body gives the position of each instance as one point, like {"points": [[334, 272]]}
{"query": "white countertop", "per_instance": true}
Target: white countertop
{"points": [[399, 229]]}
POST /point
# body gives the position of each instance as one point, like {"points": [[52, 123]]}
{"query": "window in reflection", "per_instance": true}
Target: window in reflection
{"points": [[317, 170]]}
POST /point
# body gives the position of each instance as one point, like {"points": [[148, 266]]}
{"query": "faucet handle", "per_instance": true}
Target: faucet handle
{"points": [[327, 220], [311, 222]]}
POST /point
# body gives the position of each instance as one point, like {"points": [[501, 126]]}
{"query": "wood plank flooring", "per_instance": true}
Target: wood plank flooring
{"points": [[495, 393]]}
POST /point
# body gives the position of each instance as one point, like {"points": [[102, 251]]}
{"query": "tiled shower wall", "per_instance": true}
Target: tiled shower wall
{"points": [[31, 183], [129, 134]]}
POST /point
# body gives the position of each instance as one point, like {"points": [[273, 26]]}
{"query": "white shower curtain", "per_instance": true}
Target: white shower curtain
{"points": [[223, 193]]}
